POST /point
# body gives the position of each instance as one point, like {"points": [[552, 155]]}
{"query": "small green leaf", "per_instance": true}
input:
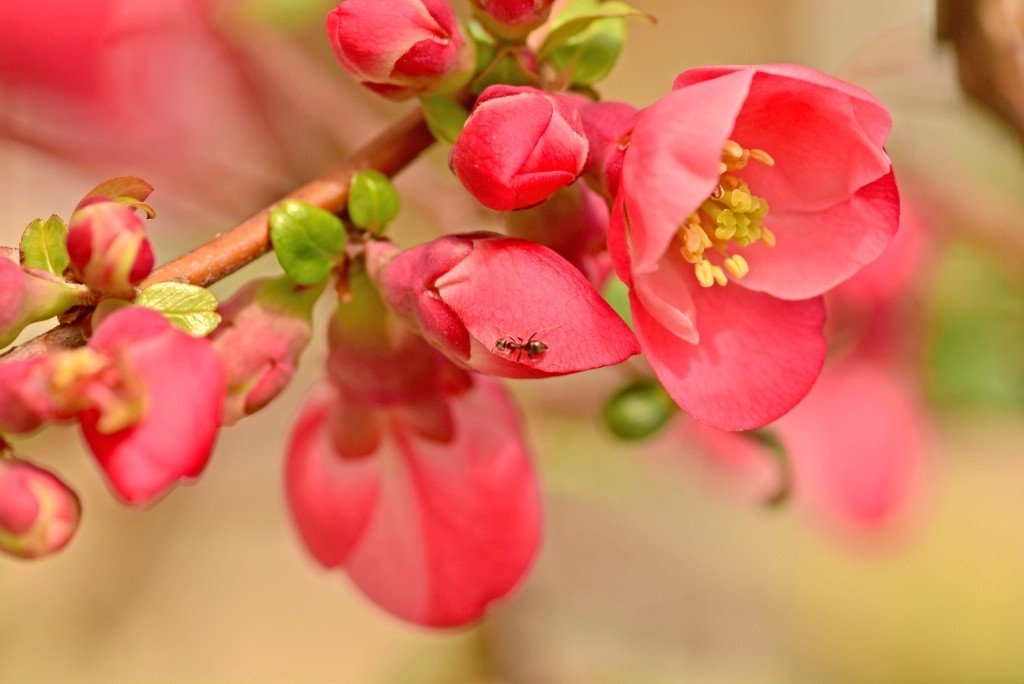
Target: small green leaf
{"points": [[372, 201], [445, 117], [639, 410], [588, 57], [43, 246], [188, 307], [579, 15], [307, 240]]}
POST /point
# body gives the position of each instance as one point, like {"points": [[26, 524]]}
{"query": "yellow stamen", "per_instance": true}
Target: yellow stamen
{"points": [[732, 216]]}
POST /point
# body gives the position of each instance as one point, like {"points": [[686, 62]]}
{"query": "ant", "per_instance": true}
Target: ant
{"points": [[533, 347]]}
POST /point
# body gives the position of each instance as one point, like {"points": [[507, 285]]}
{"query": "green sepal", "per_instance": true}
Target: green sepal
{"points": [[445, 117], [43, 246], [372, 201], [188, 307], [308, 241], [639, 410], [577, 18], [509, 67], [588, 57]]}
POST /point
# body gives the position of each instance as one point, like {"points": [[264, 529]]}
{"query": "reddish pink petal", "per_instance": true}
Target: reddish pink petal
{"points": [[431, 531], [857, 444], [672, 163], [666, 299], [815, 251], [184, 382], [331, 497], [737, 462], [458, 524], [618, 241], [825, 135], [518, 289], [757, 356], [607, 125]]}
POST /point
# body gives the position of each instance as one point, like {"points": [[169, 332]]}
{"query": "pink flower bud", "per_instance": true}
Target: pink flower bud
{"points": [[502, 306], [574, 223], [27, 296], [38, 513], [518, 147], [108, 246], [266, 326], [27, 395], [402, 48], [512, 19]]}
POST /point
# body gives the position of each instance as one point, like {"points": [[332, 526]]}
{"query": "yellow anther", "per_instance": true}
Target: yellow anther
{"points": [[71, 367], [705, 273], [737, 266], [762, 156], [730, 217]]}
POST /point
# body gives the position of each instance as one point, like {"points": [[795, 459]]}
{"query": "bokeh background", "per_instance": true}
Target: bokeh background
{"points": [[650, 572]]}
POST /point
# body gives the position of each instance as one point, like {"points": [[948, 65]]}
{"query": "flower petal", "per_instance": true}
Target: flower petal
{"points": [[184, 383], [672, 163], [815, 251], [825, 135], [757, 356]]}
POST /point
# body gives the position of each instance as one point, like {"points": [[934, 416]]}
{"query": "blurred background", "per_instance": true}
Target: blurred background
{"points": [[656, 567]]}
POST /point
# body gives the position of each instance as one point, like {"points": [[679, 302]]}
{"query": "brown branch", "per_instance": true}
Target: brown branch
{"points": [[388, 153]]}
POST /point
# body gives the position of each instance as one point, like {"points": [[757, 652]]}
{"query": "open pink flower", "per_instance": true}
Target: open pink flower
{"points": [[400, 49], [38, 512], [412, 475], [744, 195], [519, 146], [156, 396], [480, 298]]}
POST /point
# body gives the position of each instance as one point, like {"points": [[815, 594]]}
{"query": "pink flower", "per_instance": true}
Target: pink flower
{"points": [[481, 298], [412, 475], [574, 223], [512, 19], [38, 513], [156, 395], [855, 447], [265, 328], [719, 298], [27, 396], [400, 49], [519, 146], [108, 246]]}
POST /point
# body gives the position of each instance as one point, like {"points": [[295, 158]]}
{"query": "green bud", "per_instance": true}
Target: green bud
{"points": [[308, 241], [639, 410], [372, 200]]}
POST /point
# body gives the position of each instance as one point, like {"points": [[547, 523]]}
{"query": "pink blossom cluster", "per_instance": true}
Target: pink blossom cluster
{"points": [[728, 208]]}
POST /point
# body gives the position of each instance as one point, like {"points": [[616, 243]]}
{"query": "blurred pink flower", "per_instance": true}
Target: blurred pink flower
{"points": [[413, 476], [38, 512]]}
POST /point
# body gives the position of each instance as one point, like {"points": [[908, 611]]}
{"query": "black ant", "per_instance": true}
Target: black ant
{"points": [[532, 347]]}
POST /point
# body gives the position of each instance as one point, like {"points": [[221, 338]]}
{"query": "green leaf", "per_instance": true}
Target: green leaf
{"points": [[188, 307], [372, 201], [307, 240], [588, 57], [43, 246], [579, 15], [445, 117], [131, 187]]}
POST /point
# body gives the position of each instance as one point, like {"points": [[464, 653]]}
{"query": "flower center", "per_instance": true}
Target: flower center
{"points": [[731, 217]]}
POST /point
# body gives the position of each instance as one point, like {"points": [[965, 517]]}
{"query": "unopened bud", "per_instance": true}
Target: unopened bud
{"points": [[108, 246], [512, 19], [402, 48], [38, 513], [638, 410]]}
